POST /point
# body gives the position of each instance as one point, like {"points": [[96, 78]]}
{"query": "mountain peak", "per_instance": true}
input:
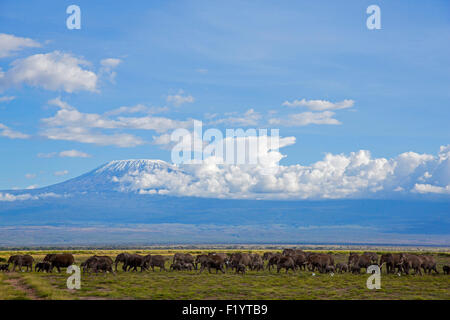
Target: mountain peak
{"points": [[133, 165]]}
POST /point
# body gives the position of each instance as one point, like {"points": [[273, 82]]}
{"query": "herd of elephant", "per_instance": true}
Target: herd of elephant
{"points": [[289, 259]]}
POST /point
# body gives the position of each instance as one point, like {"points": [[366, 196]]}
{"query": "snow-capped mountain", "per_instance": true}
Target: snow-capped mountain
{"points": [[106, 178], [129, 200]]}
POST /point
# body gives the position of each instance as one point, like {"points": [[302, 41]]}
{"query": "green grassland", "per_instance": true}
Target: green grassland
{"points": [[191, 285]]}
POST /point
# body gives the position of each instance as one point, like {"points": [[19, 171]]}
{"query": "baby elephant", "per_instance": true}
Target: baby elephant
{"points": [[240, 268], [341, 267], [42, 266], [446, 269], [330, 269], [4, 267], [356, 269]]}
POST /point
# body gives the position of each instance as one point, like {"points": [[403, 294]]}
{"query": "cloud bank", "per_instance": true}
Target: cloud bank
{"points": [[356, 175]]}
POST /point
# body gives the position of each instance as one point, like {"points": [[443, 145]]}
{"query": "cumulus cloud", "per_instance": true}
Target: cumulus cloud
{"points": [[306, 118], [320, 105], [10, 44], [356, 175], [52, 71], [30, 175], [9, 133], [180, 99]]}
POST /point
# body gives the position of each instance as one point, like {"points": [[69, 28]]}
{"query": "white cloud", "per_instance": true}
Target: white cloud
{"points": [[61, 173], [108, 66], [320, 105], [6, 99], [179, 99], [7, 132], [30, 175], [428, 188], [306, 118], [51, 71], [73, 154], [9, 44], [249, 118], [72, 125], [356, 175], [23, 197]]}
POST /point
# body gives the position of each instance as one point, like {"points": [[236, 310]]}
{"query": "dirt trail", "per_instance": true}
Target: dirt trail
{"points": [[18, 284]]}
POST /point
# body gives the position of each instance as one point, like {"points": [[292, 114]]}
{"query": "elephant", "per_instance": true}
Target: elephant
{"points": [[341, 267], [273, 261], [300, 260], [122, 257], [330, 269], [90, 262], [287, 263], [201, 259], [364, 261], [266, 256], [4, 267], [59, 261], [133, 262], [392, 261], [42, 266], [352, 258], [21, 261], [104, 265], [240, 258], [183, 258], [256, 262], [157, 261], [320, 261], [411, 261], [240, 268], [373, 257], [213, 262], [429, 264], [446, 269]]}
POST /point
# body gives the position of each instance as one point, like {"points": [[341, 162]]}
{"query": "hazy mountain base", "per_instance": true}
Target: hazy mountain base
{"points": [[150, 234]]}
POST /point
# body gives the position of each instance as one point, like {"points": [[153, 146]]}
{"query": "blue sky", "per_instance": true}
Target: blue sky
{"points": [[220, 58]]}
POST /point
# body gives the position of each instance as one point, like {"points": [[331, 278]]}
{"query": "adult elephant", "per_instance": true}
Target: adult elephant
{"points": [[240, 258], [320, 261], [373, 257], [429, 264], [364, 261], [300, 261], [122, 258], [273, 260], [59, 261], [100, 261], [200, 260], [257, 262], [392, 261], [352, 258], [158, 261], [21, 261], [287, 263], [213, 262], [411, 261], [134, 261]]}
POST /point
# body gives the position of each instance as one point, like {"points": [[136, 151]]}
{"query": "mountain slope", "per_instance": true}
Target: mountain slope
{"points": [[83, 209]]}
